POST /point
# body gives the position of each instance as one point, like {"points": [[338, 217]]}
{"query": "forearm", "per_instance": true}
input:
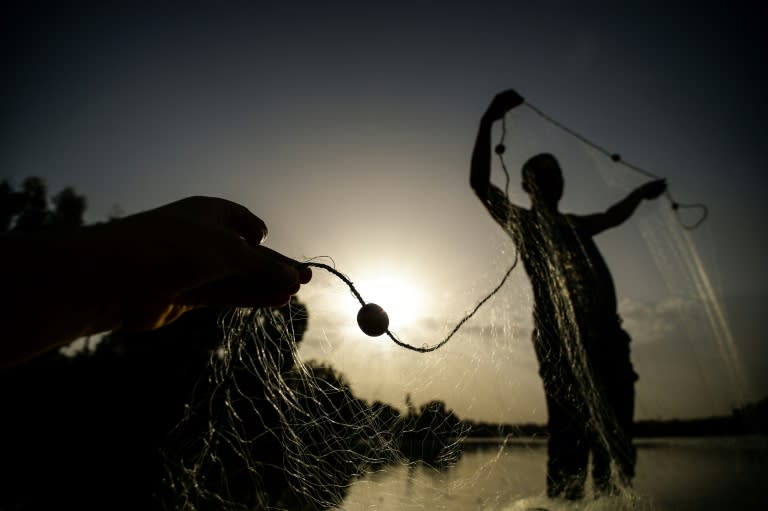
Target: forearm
{"points": [[50, 293], [480, 167], [622, 210]]}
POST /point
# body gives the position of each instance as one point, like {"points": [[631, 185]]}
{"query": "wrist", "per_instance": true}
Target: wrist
{"points": [[56, 292]]}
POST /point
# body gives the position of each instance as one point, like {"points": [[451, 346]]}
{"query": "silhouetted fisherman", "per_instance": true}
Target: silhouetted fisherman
{"points": [[582, 350]]}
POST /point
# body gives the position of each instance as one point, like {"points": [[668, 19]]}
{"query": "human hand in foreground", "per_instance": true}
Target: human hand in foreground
{"points": [[653, 189], [201, 251], [137, 273], [502, 103]]}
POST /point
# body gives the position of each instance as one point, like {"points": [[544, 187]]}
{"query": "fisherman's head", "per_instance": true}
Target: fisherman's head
{"points": [[543, 180]]}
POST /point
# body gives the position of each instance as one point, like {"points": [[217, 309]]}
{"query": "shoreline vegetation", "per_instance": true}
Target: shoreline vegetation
{"points": [[750, 419]]}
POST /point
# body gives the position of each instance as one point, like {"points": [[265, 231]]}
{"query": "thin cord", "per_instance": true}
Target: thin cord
{"points": [[676, 206], [426, 349], [499, 150], [395, 339]]}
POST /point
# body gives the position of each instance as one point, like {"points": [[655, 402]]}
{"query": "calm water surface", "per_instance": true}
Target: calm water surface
{"points": [[700, 474]]}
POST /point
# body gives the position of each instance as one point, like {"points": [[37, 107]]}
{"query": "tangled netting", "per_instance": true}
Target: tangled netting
{"points": [[281, 434], [266, 429]]}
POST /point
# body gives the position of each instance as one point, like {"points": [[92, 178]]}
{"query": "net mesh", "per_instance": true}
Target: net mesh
{"points": [[267, 430]]}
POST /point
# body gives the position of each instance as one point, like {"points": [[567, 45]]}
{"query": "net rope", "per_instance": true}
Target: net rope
{"points": [[676, 206]]}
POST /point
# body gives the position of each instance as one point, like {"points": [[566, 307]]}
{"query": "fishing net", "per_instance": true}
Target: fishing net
{"points": [[300, 410]]}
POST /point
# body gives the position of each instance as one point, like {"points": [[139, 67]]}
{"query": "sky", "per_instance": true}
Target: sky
{"points": [[348, 127]]}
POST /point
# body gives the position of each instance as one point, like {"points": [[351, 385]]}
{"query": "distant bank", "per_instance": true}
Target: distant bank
{"points": [[751, 419]]}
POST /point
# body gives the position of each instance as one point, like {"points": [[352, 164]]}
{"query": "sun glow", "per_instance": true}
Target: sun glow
{"points": [[398, 296]]}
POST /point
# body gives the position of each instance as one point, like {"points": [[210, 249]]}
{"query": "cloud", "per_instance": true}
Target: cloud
{"points": [[661, 321]]}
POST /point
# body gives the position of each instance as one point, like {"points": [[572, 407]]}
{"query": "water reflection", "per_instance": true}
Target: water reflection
{"points": [[700, 474]]}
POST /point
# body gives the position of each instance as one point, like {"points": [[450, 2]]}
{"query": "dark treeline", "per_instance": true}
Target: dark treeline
{"points": [[28, 208], [750, 419], [494, 430]]}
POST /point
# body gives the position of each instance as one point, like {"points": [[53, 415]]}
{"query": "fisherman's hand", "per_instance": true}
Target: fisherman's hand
{"points": [[653, 189], [197, 252], [502, 103]]}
